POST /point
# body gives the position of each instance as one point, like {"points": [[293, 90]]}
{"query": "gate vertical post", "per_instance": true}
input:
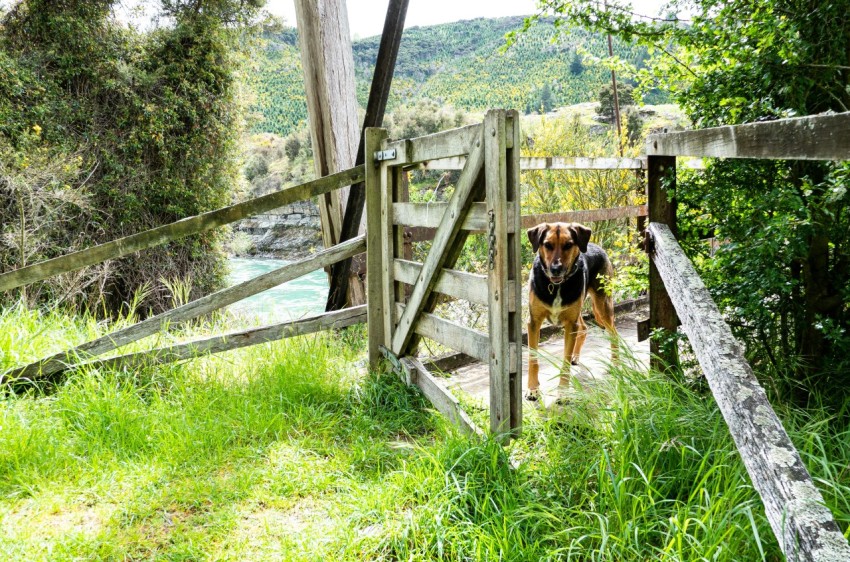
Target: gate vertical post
{"points": [[512, 130], [661, 186], [374, 248], [495, 177]]}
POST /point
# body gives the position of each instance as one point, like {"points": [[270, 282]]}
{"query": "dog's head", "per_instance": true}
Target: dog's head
{"points": [[559, 245]]}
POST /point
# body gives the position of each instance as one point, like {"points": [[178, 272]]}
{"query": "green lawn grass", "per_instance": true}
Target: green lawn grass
{"points": [[287, 451]]}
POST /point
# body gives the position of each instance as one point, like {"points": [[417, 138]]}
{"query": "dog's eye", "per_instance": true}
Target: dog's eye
{"points": [[548, 245], [568, 245]]}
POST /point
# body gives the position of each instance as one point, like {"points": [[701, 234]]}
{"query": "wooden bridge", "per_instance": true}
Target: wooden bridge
{"points": [[402, 294]]}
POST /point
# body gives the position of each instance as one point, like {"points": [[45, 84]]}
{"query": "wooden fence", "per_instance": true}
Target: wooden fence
{"points": [[488, 202], [804, 527], [50, 368]]}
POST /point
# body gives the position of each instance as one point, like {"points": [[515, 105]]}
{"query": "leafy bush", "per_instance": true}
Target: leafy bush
{"points": [[146, 126]]}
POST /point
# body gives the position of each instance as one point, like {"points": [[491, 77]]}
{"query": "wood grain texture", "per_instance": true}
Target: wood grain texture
{"points": [[451, 334], [374, 259], [453, 283], [235, 340], [495, 174], [661, 187], [352, 220], [176, 230], [514, 287], [527, 163], [440, 396], [46, 368], [454, 142], [588, 216], [816, 137], [794, 507], [327, 61], [446, 233]]}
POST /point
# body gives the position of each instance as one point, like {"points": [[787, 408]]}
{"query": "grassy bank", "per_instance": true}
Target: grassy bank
{"points": [[287, 452]]}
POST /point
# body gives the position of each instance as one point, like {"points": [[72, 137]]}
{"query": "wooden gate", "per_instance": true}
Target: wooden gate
{"points": [[485, 199]]}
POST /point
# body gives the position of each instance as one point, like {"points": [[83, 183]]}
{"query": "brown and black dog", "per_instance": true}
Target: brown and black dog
{"points": [[567, 267]]}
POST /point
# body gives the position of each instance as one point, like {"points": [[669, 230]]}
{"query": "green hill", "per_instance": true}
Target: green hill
{"points": [[459, 63]]}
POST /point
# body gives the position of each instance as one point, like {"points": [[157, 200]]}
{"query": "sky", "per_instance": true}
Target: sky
{"points": [[366, 17]]}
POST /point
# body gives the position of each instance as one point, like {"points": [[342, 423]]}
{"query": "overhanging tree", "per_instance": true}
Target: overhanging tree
{"points": [[782, 274]]}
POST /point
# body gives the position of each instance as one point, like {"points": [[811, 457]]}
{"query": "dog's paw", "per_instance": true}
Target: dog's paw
{"points": [[574, 361], [533, 395], [562, 397]]}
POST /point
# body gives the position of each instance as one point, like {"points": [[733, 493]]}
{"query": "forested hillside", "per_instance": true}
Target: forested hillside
{"points": [[461, 63]]}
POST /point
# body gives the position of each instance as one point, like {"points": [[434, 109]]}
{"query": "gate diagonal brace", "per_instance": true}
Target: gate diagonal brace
{"points": [[397, 366]]}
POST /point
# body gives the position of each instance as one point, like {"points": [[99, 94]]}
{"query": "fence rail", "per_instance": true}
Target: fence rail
{"points": [[803, 525], [50, 366], [176, 230]]}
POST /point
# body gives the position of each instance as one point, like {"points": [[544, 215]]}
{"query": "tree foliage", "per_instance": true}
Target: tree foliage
{"points": [[462, 64], [145, 128], [780, 274]]}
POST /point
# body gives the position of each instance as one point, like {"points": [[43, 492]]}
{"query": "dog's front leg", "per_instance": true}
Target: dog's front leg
{"points": [[533, 366], [571, 332]]}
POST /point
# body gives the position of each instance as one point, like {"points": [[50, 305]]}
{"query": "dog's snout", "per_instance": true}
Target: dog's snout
{"points": [[556, 268]]}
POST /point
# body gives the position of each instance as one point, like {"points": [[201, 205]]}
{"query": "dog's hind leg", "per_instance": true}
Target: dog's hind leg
{"points": [[581, 335], [603, 312]]}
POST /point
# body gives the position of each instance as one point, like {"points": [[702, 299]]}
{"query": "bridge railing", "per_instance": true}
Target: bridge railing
{"points": [[803, 525]]}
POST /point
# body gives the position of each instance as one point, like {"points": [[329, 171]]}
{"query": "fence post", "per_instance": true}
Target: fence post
{"points": [[495, 173], [374, 248], [512, 137], [661, 200]]}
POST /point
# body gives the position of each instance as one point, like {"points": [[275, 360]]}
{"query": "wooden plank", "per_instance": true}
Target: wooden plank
{"points": [[804, 527], [815, 137], [400, 192], [592, 215], [452, 255], [451, 282], [327, 60], [528, 163], [661, 185], [454, 142], [180, 229], [47, 367], [387, 249], [451, 334], [440, 396], [236, 340], [379, 92], [374, 259], [446, 232], [495, 173], [429, 215], [514, 288], [455, 360]]}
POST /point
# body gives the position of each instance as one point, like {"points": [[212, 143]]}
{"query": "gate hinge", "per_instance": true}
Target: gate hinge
{"points": [[395, 363], [382, 155]]}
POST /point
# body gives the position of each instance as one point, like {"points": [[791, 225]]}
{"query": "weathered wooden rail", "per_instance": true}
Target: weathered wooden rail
{"points": [[803, 525], [49, 368]]}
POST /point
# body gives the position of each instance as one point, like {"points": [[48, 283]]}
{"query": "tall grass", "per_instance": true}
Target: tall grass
{"points": [[286, 451]]}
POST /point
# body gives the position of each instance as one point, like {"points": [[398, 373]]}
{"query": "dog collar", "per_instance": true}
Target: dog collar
{"points": [[552, 286]]}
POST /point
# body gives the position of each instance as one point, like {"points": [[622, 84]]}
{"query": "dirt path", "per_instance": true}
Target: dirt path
{"points": [[473, 380]]}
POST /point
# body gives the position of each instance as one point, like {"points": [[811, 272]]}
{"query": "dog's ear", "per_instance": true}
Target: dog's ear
{"points": [[537, 234], [581, 235]]}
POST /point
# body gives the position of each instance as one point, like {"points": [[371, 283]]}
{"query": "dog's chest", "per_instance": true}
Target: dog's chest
{"points": [[555, 308]]}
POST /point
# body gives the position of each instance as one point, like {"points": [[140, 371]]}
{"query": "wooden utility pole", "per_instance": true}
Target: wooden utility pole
{"points": [[378, 94], [328, 62]]}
